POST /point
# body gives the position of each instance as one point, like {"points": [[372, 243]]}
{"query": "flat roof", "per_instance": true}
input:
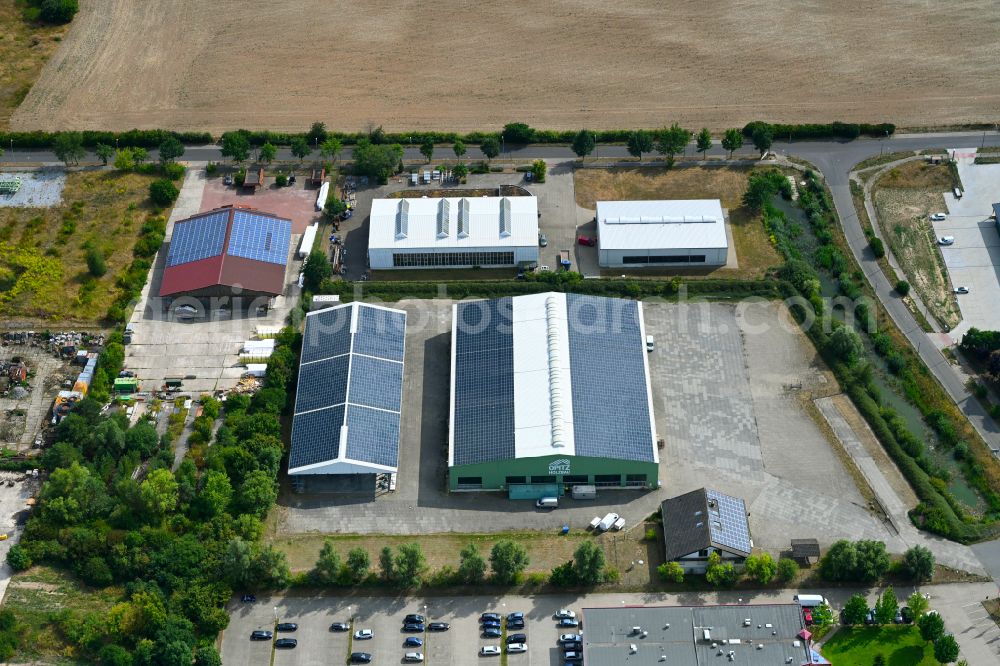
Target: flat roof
{"points": [[550, 374], [349, 393], [677, 224], [454, 222], [676, 635]]}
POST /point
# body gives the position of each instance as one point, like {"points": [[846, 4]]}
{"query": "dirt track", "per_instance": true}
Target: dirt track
{"points": [[464, 64]]}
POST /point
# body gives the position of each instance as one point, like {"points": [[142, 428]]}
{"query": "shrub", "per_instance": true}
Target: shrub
{"points": [[173, 170], [58, 11], [211, 169], [538, 170], [918, 563], [163, 192], [878, 247], [902, 287], [95, 262], [671, 572], [18, 558], [281, 180], [788, 569], [650, 535]]}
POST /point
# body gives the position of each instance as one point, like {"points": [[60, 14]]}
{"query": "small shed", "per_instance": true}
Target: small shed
{"points": [[17, 372], [317, 177], [805, 551], [254, 178]]}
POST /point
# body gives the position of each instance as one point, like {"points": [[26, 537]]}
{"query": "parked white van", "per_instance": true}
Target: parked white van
{"points": [[547, 503]]}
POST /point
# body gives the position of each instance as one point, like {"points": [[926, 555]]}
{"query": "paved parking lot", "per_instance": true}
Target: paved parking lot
{"points": [[974, 260], [460, 645]]}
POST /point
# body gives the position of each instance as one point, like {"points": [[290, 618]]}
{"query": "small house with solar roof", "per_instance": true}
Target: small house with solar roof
{"points": [[704, 521], [550, 391], [229, 251]]}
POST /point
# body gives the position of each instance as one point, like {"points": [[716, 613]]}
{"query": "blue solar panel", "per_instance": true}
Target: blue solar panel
{"points": [[375, 383], [483, 424], [373, 436], [316, 437], [197, 238], [327, 333], [259, 237], [727, 521], [322, 384], [379, 333], [610, 405]]}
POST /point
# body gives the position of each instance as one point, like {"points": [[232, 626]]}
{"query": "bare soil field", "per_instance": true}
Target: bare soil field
{"points": [[24, 48], [465, 65], [753, 248], [902, 217]]}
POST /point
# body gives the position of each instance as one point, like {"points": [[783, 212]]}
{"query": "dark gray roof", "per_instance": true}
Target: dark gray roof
{"points": [[350, 374], [802, 548], [676, 635], [704, 519]]}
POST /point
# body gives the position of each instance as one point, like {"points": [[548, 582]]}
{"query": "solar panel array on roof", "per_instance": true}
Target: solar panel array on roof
{"points": [[198, 238], [259, 237], [728, 521], [484, 382], [610, 407], [349, 379]]}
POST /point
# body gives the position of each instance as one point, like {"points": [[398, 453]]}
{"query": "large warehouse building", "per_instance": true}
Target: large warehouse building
{"points": [[547, 391], [454, 232], [347, 404], [233, 250], [636, 234]]}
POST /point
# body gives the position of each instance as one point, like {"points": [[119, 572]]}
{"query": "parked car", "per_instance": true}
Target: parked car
{"points": [[514, 648], [870, 617], [285, 643], [568, 623], [650, 343], [489, 616], [515, 624], [438, 626], [227, 179], [543, 240], [186, 312], [491, 632], [413, 641], [492, 623], [363, 634], [261, 635], [517, 638], [414, 627], [898, 619], [589, 241], [361, 658], [961, 290], [571, 638], [340, 626], [946, 240], [573, 655], [413, 617], [489, 650], [515, 617], [937, 217], [287, 626], [807, 616], [413, 657], [564, 613], [246, 598], [907, 614]]}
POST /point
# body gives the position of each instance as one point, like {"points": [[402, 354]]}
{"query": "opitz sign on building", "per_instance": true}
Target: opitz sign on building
{"points": [[559, 467]]}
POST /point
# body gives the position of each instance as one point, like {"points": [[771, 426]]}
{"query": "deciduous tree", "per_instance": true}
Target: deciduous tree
{"points": [[856, 609], [931, 627], [301, 148], [732, 140], [583, 143], [639, 142], [589, 562], [331, 148], [267, 153], [762, 139], [886, 606], [761, 568], [946, 649], [68, 147], [472, 565], [490, 147], [719, 573], [357, 565], [327, 565], [508, 559], [104, 152], [235, 146], [459, 149], [704, 142], [410, 565], [171, 149], [918, 563], [427, 150], [918, 604]]}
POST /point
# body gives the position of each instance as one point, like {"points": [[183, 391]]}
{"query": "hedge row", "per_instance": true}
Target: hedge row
{"points": [[834, 130], [568, 282], [130, 139]]}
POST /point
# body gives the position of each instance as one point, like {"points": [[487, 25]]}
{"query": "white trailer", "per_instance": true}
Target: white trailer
{"points": [[584, 492], [811, 600], [324, 191], [254, 346], [607, 522], [256, 369], [308, 239]]}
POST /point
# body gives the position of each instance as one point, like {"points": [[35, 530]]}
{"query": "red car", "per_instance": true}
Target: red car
{"points": [[587, 240], [807, 616]]}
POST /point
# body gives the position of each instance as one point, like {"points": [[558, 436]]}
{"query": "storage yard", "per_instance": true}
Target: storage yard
{"points": [[578, 63]]}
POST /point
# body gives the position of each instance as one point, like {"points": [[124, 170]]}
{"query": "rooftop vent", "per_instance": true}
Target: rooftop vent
{"points": [[505, 215], [463, 218], [556, 393], [402, 219], [444, 219]]}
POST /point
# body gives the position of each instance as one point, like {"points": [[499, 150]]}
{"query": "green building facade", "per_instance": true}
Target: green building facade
{"points": [[561, 471]]}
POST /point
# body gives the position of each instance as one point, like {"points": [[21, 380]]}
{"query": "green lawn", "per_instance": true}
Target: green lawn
{"points": [[857, 646]]}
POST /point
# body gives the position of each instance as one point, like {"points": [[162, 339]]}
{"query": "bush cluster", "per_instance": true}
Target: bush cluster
{"points": [[129, 139], [834, 130]]}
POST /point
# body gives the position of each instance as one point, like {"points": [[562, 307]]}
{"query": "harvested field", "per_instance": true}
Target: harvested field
{"points": [[462, 65], [24, 49], [753, 248], [902, 219]]}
